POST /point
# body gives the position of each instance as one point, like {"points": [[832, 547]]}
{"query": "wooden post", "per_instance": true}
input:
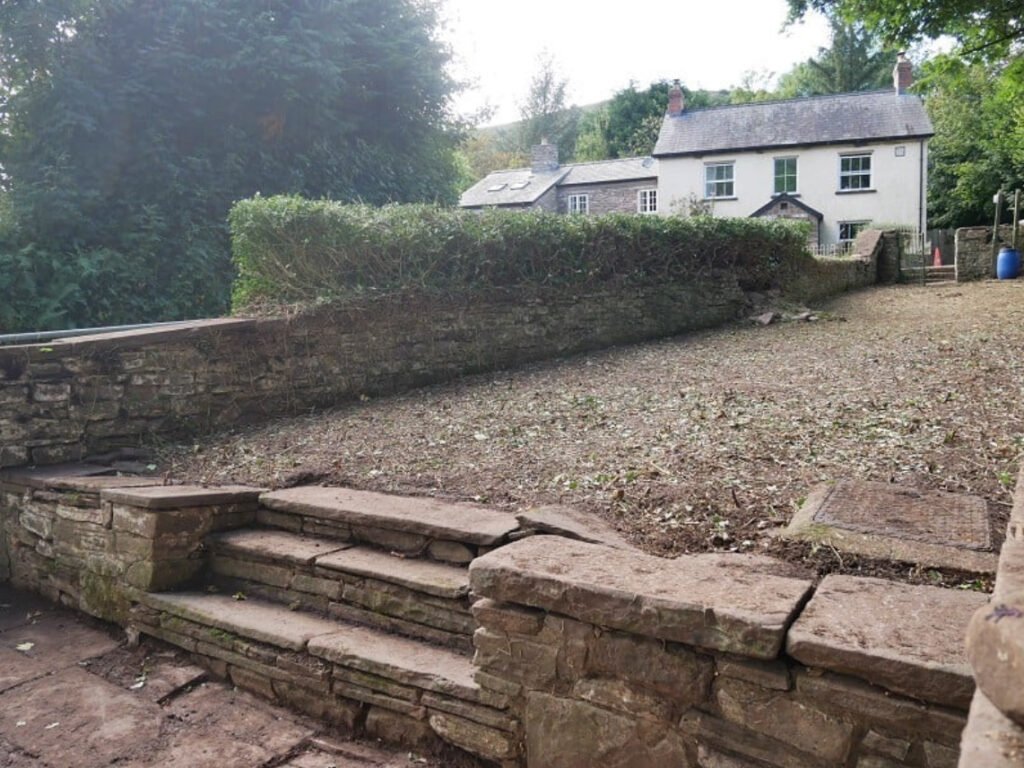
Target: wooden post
{"points": [[995, 232], [1016, 217]]}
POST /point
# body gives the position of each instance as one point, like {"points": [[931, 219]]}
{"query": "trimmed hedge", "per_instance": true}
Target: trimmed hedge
{"points": [[289, 249]]}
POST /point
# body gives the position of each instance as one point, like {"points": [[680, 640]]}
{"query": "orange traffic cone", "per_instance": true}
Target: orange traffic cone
{"points": [[937, 258]]}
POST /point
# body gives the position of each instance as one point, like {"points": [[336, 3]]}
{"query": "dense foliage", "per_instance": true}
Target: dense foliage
{"points": [[288, 249], [854, 61], [130, 127]]}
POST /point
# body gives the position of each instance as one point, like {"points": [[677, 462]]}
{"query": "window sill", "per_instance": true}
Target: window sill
{"points": [[856, 191], [788, 194], [717, 199]]}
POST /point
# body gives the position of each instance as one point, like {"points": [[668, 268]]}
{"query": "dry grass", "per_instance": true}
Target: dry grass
{"points": [[699, 442]]}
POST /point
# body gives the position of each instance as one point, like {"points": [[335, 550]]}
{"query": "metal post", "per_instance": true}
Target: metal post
{"points": [[995, 232], [1016, 217]]}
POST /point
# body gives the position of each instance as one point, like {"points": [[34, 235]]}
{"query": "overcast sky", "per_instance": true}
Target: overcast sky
{"points": [[600, 46]]}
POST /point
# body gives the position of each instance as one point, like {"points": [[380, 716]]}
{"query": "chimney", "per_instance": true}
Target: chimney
{"points": [[544, 157], [676, 100], [902, 74]]}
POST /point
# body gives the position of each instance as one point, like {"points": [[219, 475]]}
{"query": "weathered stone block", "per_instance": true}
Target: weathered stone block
{"points": [[501, 617], [783, 717], [727, 604], [394, 727], [766, 674], [473, 737], [254, 683], [535, 665], [38, 521], [877, 744], [451, 552], [620, 696], [152, 523], [339, 712], [273, 519], [563, 733], [51, 392], [264, 573], [377, 699], [940, 756], [162, 575], [671, 671], [100, 516]]}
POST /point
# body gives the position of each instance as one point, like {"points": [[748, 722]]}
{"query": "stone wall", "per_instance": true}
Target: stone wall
{"points": [[620, 197], [974, 256], [68, 399], [994, 736], [617, 659], [826, 276], [92, 541]]}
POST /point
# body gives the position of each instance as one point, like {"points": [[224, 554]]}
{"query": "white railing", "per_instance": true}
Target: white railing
{"points": [[833, 250]]}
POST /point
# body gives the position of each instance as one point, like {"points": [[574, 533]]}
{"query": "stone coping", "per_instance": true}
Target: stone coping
{"points": [[74, 477], [177, 496], [728, 604], [905, 638], [425, 516]]}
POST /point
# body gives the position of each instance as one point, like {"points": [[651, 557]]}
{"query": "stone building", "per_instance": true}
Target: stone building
{"points": [[629, 185]]}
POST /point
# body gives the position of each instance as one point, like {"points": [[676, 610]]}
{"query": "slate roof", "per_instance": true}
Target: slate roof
{"points": [[602, 172], [785, 197], [836, 119]]}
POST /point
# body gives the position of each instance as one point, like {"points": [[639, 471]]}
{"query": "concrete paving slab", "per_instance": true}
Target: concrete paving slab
{"points": [[73, 718], [17, 668], [891, 522]]}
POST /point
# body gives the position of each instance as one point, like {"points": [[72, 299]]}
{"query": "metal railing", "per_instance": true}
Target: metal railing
{"points": [[34, 337]]}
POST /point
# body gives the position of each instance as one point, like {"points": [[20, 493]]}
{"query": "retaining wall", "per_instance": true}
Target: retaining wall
{"points": [[66, 400]]}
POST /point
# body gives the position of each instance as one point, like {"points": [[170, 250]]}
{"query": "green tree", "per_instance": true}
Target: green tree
{"points": [[978, 112], [854, 61], [130, 127], [983, 27], [545, 113]]}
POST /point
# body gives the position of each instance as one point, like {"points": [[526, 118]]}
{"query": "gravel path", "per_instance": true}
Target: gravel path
{"points": [[700, 442]]}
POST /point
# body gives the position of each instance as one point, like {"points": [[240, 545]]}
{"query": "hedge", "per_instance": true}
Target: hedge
{"points": [[292, 250]]}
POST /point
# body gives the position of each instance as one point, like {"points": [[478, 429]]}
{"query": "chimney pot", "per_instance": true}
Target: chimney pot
{"points": [[676, 100], [902, 74]]}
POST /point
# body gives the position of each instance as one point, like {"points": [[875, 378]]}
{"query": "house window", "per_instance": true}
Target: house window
{"points": [[854, 172], [647, 201], [579, 203], [785, 175], [719, 180], [848, 231]]}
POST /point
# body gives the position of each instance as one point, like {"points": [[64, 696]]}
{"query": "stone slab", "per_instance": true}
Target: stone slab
{"points": [[265, 622], [75, 713], [438, 579], [905, 638], [723, 604], [176, 496], [428, 517], [280, 545], [560, 520], [400, 659], [74, 477], [60, 639], [890, 522]]}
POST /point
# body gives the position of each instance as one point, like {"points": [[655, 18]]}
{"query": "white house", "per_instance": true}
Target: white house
{"points": [[837, 161]]}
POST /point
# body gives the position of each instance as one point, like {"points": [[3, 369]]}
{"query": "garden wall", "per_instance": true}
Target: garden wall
{"points": [[67, 399]]}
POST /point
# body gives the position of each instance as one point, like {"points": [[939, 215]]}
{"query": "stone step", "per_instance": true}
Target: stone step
{"points": [[418, 526], [370, 682], [420, 598]]}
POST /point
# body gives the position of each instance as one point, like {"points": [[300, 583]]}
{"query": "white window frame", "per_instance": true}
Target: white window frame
{"points": [[858, 227], [647, 200], [711, 190], [853, 178], [776, 177], [578, 204]]}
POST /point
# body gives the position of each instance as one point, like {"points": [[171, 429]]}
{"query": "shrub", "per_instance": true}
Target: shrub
{"points": [[288, 249]]}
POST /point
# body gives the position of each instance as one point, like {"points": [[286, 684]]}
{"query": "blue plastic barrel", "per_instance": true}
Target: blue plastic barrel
{"points": [[1008, 264]]}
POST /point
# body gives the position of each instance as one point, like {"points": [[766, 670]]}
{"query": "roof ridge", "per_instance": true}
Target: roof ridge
{"points": [[797, 99]]}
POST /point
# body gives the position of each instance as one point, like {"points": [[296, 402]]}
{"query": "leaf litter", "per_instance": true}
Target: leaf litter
{"points": [[703, 442]]}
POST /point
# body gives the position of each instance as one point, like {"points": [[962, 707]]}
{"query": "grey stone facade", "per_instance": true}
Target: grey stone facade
{"points": [[615, 197], [975, 259]]}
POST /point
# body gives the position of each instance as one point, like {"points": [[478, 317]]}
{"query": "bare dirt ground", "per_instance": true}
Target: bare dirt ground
{"points": [[701, 442]]}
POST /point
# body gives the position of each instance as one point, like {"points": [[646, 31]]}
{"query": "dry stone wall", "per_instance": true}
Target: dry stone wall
{"points": [[615, 659], [974, 251], [65, 400]]}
